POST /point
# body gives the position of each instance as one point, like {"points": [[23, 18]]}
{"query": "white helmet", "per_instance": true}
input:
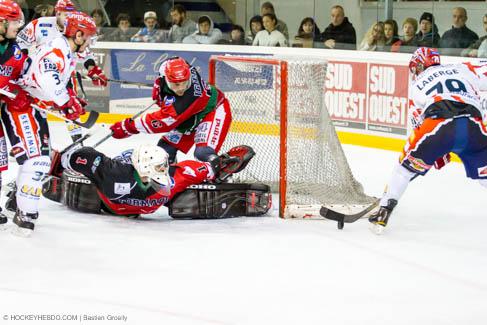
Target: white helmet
{"points": [[152, 162]]}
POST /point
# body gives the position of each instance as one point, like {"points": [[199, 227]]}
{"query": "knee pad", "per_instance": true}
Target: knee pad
{"points": [[204, 153]]}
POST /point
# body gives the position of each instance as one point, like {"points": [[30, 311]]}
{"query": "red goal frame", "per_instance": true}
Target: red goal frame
{"points": [[283, 68]]}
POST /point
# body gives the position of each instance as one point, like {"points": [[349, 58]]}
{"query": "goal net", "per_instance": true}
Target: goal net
{"points": [[278, 109]]}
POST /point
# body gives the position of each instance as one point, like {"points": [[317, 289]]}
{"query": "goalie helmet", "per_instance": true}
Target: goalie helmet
{"points": [[79, 21], [423, 58], [152, 162], [64, 5]]}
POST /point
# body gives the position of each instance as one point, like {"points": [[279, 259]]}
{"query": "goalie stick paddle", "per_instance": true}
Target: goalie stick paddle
{"points": [[343, 218]]}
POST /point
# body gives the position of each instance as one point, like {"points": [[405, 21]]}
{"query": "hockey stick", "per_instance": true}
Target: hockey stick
{"points": [[123, 82], [341, 218], [92, 117]]}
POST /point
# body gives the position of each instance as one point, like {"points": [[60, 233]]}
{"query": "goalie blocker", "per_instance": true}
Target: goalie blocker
{"points": [[203, 201]]}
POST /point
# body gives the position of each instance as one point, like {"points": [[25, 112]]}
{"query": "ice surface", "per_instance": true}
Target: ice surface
{"points": [[429, 268]]}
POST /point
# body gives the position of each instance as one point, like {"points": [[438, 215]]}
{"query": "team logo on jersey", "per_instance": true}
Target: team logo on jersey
{"points": [[173, 137], [81, 161], [17, 53], [31, 191], [168, 100], [418, 164], [121, 188], [189, 171], [49, 66], [168, 120], [156, 124], [96, 163], [482, 171], [6, 70]]}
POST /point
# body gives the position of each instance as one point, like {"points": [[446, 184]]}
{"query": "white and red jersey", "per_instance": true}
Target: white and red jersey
{"points": [[41, 31], [48, 72], [454, 82]]}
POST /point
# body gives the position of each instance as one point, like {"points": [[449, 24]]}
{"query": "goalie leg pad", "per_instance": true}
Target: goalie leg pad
{"points": [[218, 201], [52, 189], [79, 193]]}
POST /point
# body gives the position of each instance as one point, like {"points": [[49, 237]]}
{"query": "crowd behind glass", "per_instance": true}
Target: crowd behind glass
{"points": [[159, 21]]}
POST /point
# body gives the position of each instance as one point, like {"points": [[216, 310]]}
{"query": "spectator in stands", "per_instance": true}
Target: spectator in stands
{"points": [[150, 33], [407, 43], [270, 36], [459, 36], [182, 26], [308, 32], [340, 34], [123, 33], [473, 50], [482, 52], [237, 35], [268, 8], [374, 39], [428, 32], [99, 20], [391, 33], [206, 33], [256, 25], [43, 10]]}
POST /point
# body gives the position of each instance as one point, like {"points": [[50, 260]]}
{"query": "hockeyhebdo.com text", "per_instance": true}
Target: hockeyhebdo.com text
{"points": [[80, 318]]}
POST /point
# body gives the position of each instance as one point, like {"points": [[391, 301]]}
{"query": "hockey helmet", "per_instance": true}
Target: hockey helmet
{"points": [[64, 5], [10, 11], [152, 162], [79, 21], [423, 58], [177, 72]]}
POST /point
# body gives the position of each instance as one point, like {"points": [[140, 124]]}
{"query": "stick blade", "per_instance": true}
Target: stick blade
{"points": [[341, 216]]}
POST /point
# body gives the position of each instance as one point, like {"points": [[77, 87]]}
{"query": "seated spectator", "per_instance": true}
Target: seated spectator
{"points": [[390, 32], [340, 34], [150, 33], [182, 26], [428, 32], [407, 43], [97, 15], [268, 8], [43, 10], [206, 33], [237, 35], [308, 33], [116, 7], [123, 33], [374, 39], [270, 36], [459, 36], [473, 50], [256, 25]]}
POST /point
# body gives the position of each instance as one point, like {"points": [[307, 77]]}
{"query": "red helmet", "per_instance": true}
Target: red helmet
{"points": [[10, 11], [177, 70], [423, 58], [79, 21], [64, 5]]}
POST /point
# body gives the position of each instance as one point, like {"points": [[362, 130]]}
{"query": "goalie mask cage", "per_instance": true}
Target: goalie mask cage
{"points": [[278, 109]]}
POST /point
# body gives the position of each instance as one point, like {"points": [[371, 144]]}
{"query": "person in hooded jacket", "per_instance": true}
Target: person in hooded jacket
{"points": [[206, 33]]}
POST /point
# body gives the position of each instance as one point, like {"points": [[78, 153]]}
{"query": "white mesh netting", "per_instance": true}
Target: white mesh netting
{"points": [[317, 170]]}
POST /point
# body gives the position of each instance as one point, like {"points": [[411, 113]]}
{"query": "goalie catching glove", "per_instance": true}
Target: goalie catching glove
{"points": [[234, 161], [74, 107]]}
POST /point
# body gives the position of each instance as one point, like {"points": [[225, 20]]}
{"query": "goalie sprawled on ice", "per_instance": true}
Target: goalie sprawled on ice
{"points": [[141, 181]]}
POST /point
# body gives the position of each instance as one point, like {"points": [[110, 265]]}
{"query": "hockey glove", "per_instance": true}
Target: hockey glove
{"points": [[74, 107], [156, 91], [442, 161], [97, 76], [417, 118], [21, 102], [123, 129]]}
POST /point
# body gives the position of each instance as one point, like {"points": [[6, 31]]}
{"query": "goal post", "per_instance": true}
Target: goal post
{"points": [[278, 108]]}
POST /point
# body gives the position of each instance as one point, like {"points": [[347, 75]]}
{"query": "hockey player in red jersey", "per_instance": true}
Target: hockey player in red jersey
{"points": [[11, 63], [191, 112], [44, 82], [447, 117]]}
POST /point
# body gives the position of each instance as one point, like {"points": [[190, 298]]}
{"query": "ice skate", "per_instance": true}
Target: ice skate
{"points": [[24, 223], [378, 221]]}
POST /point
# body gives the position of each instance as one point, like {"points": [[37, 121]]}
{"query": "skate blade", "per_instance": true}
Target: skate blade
{"points": [[21, 232], [377, 229]]}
